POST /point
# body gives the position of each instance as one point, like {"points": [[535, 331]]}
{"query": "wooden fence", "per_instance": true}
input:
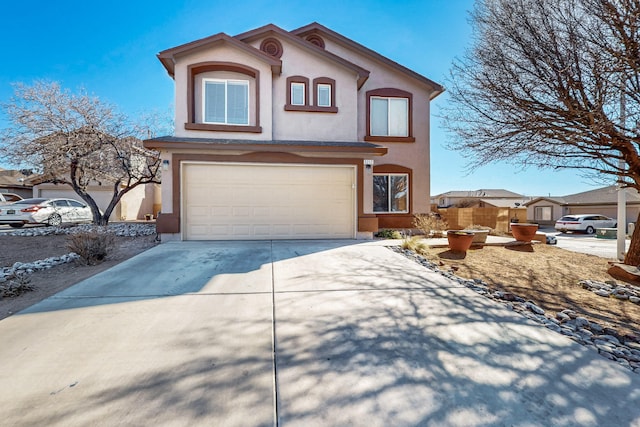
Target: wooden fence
{"points": [[496, 218]]}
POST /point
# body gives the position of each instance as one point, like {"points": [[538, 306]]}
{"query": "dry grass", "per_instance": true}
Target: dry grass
{"points": [[546, 275]]}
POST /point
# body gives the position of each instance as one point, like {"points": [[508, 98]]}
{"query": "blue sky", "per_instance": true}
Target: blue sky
{"points": [[110, 48]]}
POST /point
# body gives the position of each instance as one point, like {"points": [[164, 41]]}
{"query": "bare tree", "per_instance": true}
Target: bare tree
{"points": [[77, 140], [545, 84]]}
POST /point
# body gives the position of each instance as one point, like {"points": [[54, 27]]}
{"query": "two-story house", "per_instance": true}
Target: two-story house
{"points": [[292, 134]]}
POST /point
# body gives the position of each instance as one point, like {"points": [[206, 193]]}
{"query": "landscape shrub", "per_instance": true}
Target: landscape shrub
{"points": [[16, 286], [389, 234], [430, 224], [93, 247], [415, 244]]}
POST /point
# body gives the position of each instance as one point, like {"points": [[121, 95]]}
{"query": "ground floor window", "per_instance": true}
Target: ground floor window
{"points": [[391, 193], [542, 213]]}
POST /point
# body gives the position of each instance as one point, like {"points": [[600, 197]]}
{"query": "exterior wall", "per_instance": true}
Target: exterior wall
{"points": [[223, 53], [313, 126]]}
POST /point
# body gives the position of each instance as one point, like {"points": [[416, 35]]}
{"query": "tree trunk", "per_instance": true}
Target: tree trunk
{"points": [[633, 254]]}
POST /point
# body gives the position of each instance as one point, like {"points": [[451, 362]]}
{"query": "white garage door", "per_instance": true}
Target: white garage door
{"points": [[256, 201]]}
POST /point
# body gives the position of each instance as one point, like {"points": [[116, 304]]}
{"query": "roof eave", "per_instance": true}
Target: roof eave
{"points": [[168, 57], [158, 143]]}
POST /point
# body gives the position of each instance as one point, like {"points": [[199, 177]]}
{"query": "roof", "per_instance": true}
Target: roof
{"points": [[503, 203], [482, 193], [599, 196], [315, 27], [265, 145], [16, 178], [271, 29], [167, 57], [241, 41], [602, 195]]}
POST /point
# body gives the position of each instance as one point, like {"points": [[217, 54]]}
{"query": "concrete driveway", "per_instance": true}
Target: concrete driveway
{"points": [[294, 334]]}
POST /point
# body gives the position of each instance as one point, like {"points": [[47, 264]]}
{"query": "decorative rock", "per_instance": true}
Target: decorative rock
{"points": [[572, 314], [634, 299], [563, 316], [582, 322], [531, 306], [609, 338], [585, 332], [597, 329], [602, 292]]}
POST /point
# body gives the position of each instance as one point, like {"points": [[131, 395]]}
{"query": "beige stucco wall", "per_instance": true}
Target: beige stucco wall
{"points": [[223, 53]]}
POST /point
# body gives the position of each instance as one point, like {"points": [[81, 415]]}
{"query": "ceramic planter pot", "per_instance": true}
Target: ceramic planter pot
{"points": [[479, 236], [459, 241], [524, 232]]}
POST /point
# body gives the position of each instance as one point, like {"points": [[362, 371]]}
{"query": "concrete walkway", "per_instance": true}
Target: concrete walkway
{"points": [[294, 334]]}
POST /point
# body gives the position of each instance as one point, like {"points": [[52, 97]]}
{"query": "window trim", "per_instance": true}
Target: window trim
{"points": [[290, 81], [389, 175], [307, 107], [389, 93], [332, 84], [226, 82], [202, 67]]}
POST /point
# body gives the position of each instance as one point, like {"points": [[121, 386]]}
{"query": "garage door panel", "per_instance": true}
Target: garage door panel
{"points": [[222, 201]]}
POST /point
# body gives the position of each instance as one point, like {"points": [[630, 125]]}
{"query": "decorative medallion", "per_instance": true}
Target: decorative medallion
{"points": [[316, 39], [272, 47]]}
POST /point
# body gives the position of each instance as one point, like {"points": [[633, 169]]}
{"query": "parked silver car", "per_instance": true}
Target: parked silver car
{"points": [[45, 211], [587, 223], [6, 198]]}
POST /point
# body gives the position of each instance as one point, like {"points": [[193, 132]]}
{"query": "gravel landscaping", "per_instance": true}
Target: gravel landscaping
{"points": [[36, 263], [619, 346]]}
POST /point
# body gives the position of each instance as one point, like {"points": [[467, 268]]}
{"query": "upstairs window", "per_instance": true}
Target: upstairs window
{"points": [[223, 97], [389, 115], [225, 101], [323, 95], [321, 98], [298, 93], [324, 90]]}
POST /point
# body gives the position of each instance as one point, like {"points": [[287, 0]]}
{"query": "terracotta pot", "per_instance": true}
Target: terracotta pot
{"points": [[459, 241], [479, 236], [524, 232]]}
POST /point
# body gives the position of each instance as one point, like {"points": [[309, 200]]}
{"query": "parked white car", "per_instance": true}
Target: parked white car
{"points": [[45, 211], [6, 198], [587, 223]]}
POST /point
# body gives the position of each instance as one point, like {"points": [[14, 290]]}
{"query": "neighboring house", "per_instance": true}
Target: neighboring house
{"points": [[19, 182], [479, 198], [292, 134], [134, 205], [604, 201]]}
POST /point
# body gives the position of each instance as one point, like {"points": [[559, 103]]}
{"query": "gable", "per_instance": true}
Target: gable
{"points": [[170, 56], [267, 33]]}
